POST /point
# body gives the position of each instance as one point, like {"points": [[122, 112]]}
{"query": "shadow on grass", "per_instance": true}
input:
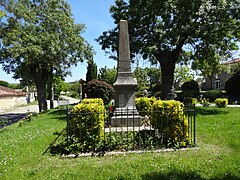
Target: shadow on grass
{"points": [[60, 114], [210, 111], [10, 118], [175, 174]]}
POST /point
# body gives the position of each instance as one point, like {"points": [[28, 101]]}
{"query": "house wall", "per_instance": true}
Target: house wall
{"points": [[10, 102], [218, 82]]}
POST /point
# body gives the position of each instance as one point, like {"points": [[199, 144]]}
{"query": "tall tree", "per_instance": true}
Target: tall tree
{"points": [[161, 29], [183, 73], [40, 37], [154, 79], [142, 78], [91, 71], [108, 75], [208, 61]]}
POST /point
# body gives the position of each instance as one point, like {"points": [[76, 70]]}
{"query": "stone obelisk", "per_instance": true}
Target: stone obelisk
{"points": [[125, 113]]}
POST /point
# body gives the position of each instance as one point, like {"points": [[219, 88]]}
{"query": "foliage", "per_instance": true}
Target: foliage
{"points": [[91, 71], [108, 75], [85, 126], [212, 95], [98, 101], [154, 79], [189, 102], [144, 104], [232, 85], [99, 89], [159, 31], [142, 78], [208, 61], [183, 74], [73, 94], [189, 89], [148, 79], [1, 13], [72, 87], [190, 85], [37, 36], [4, 83], [205, 102], [15, 86], [58, 85], [168, 117], [221, 102]]}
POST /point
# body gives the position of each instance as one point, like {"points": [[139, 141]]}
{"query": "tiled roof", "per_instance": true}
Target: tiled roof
{"points": [[8, 92], [233, 61]]}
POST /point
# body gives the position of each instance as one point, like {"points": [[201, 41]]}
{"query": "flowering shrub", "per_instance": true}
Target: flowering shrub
{"points": [[144, 104], [221, 102], [93, 101], [190, 102], [204, 102], [168, 117], [85, 127]]}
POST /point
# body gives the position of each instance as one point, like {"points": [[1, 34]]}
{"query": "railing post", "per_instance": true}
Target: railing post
{"points": [[67, 126]]}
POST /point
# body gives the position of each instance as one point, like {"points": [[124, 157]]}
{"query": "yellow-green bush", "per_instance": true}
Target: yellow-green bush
{"points": [[168, 117], [221, 102], [86, 125], [144, 104], [93, 100], [189, 101]]}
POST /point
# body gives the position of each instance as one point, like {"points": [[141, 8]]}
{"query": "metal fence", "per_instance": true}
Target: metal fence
{"points": [[163, 129]]}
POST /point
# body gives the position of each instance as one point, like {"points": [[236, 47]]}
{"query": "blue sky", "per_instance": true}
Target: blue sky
{"points": [[95, 15]]}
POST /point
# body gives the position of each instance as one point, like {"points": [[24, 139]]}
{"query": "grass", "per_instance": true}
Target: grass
{"points": [[218, 156]]}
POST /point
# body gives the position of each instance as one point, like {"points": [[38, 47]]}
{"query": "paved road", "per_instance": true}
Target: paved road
{"points": [[18, 113]]}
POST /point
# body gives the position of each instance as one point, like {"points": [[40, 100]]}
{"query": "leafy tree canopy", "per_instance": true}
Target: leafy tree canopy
{"points": [[161, 29], [183, 73], [108, 75], [38, 35]]}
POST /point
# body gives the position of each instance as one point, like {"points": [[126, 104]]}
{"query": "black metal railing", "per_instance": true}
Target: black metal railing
{"points": [[162, 129]]}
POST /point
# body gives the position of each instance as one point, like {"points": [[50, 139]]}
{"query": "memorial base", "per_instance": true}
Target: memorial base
{"points": [[126, 117]]}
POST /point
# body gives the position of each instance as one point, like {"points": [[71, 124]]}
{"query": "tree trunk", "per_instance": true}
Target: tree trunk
{"points": [[41, 96], [51, 88], [167, 62], [40, 79]]}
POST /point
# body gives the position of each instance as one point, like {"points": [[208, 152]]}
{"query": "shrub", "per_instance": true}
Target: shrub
{"points": [[140, 94], [221, 102], [212, 95], [205, 102], [189, 93], [85, 127], [144, 105], [232, 85], [189, 89], [99, 89], [4, 83], [190, 85], [190, 102], [74, 94], [98, 101], [168, 117]]}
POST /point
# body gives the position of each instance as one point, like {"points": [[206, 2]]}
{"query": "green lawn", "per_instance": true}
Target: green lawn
{"points": [[218, 156]]}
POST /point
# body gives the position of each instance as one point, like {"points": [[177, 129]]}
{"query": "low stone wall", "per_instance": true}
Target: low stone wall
{"points": [[10, 102]]}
